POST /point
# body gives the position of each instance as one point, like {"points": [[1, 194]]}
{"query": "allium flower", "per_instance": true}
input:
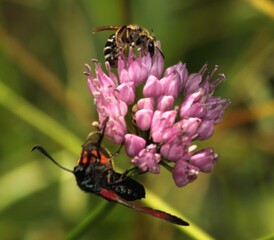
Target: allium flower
{"points": [[163, 132]]}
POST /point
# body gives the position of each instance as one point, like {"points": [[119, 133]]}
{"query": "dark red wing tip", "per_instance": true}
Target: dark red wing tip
{"points": [[177, 220], [180, 221], [167, 216]]}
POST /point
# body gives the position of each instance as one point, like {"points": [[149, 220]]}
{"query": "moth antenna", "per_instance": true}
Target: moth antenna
{"points": [[98, 144], [43, 151]]}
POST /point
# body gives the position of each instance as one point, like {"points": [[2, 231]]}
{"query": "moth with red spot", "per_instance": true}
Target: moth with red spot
{"points": [[94, 173]]}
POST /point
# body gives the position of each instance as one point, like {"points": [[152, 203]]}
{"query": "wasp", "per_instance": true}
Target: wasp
{"points": [[127, 36], [94, 173]]}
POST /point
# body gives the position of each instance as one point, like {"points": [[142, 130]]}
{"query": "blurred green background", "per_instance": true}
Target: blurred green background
{"points": [[44, 100]]}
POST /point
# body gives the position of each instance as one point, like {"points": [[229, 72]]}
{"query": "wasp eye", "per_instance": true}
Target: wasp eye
{"points": [[151, 48]]}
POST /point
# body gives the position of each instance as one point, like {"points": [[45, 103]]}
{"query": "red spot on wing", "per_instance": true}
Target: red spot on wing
{"points": [[112, 196], [88, 157], [103, 158]]}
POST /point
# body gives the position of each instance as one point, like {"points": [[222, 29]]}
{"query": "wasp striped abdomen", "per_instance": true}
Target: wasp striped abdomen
{"points": [[111, 51]]}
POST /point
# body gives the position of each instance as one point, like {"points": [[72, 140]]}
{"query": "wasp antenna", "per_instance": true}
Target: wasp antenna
{"points": [[43, 151]]}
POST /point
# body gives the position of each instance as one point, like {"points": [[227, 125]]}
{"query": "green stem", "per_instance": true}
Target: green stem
{"points": [[268, 237], [165, 165], [90, 220]]}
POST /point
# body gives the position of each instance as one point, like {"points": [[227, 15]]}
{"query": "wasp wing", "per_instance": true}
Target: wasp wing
{"points": [[112, 196], [105, 28]]}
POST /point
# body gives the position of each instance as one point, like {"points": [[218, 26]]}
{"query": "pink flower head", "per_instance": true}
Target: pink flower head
{"points": [[148, 159], [158, 132]]}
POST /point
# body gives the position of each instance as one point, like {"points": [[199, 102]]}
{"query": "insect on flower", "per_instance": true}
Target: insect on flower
{"points": [[127, 35], [94, 173]]}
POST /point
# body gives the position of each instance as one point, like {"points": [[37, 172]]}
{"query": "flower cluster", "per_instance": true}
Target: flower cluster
{"points": [[167, 111]]}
